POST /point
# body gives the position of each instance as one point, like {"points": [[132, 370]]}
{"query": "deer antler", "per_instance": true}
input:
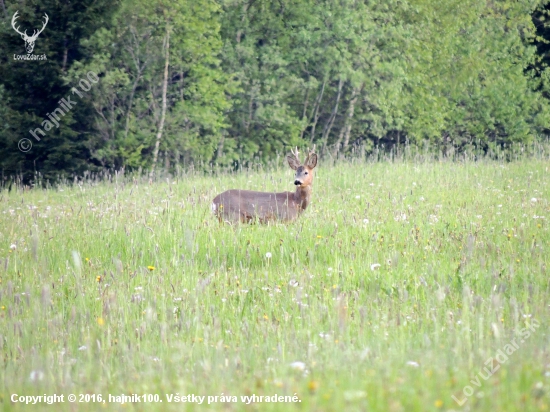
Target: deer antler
{"points": [[35, 34], [310, 152], [24, 34], [295, 153], [13, 19]]}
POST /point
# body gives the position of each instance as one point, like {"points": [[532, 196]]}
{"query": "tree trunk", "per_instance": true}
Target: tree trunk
{"points": [[164, 90], [140, 68], [130, 103], [250, 109], [65, 53], [182, 85], [316, 111], [330, 121], [351, 110], [338, 142], [4, 8], [304, 114], [343, 130], [220, 147]]}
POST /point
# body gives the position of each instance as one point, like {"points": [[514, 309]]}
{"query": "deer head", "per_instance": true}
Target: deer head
{"points": [[304, 172], [29, 40]]}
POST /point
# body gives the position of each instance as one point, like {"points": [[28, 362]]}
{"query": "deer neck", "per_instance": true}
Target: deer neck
{"points": [[302, 196]]}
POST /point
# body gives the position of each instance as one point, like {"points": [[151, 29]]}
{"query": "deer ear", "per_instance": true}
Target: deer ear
{"points": [[292, 162], [311, 161]]}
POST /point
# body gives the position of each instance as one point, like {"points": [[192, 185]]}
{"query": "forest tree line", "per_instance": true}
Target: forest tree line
{"points": [[225, 81]]}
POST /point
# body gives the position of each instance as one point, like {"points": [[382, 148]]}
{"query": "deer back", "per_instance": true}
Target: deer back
{"points": [[248, 206]]}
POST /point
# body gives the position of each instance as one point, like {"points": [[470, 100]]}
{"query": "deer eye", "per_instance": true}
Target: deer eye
{"points": [[305, 173]]}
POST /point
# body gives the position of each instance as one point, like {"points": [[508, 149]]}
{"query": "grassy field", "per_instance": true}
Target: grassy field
{"points": [[403, 284]]}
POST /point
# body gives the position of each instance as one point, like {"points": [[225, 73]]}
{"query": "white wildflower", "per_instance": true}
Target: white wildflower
{"points": [[401, 217], [298, 366], [353, 395], [36, 376]]}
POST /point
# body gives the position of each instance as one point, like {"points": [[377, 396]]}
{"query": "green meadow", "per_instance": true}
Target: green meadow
{"points": [[409, 284]]}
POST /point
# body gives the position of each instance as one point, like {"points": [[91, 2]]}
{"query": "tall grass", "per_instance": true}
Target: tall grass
{"points": [[391, 292]]}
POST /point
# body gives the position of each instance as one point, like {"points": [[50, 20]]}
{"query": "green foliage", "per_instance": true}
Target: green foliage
{"points": [[32, 89], [249, 79], [475, 74], [450, 72], [541, 68], [131, 65]]}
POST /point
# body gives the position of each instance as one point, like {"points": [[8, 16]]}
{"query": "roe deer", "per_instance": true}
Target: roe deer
{"points": [[246, 206]]}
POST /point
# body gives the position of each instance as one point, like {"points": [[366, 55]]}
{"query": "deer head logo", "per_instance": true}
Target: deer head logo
{"points": [[29, 40]]}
